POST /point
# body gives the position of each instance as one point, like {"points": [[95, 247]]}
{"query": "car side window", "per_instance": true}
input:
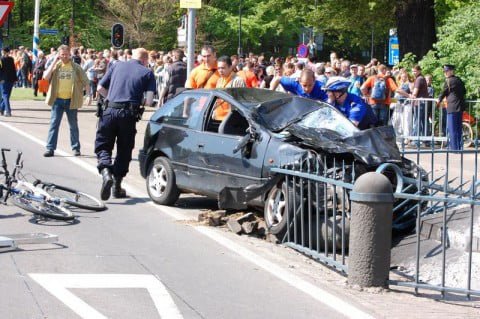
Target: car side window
{"points": [[185, 110], [226, 119]]}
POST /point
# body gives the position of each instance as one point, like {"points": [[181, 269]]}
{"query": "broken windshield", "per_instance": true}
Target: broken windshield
{"points": [[329, 118]]}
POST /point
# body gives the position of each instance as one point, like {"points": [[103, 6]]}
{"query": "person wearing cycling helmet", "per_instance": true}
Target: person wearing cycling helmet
{"points": [[351, 105]]}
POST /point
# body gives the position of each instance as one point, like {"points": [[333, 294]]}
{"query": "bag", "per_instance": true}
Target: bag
{"points": [[43, 86], [379, 89]]}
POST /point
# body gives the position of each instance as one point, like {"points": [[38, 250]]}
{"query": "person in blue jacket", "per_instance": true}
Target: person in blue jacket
{"points": [[351, 105]]}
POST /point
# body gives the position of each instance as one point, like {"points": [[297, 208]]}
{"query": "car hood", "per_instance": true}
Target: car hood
{"points": [[373, 147]]}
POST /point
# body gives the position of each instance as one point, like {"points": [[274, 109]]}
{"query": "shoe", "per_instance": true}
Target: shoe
{"points": [[48, 153], [117, 190], [8, 114], [106, 184], [76, 153]]}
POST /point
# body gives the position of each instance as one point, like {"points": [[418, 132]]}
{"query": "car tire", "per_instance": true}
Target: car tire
{"points": [[276, 207], [161, 182]]}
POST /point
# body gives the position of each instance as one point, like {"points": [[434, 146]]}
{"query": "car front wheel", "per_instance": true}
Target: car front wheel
{"points": [[161, 183], [276, 208]]}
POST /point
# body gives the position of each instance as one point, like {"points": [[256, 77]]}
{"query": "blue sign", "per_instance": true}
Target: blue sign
{"points": [[393, 51], [302, 51], [48, 31]]}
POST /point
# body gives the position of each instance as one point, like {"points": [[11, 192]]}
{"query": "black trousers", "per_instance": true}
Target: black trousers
{"points": [[116, 126]]}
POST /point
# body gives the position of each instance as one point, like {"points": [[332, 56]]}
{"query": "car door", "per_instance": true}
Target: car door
{"points": [[181, 119], [214, 163]]}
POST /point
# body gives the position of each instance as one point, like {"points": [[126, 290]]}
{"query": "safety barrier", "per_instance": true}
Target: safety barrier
{"points": [[320, 197]]}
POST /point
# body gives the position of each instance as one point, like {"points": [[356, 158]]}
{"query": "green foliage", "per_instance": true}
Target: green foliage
{"points": [[459, 44]]}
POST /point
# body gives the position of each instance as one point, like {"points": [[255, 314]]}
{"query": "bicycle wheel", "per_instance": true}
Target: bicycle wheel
{"points": [[42, 208], [74, 198]]}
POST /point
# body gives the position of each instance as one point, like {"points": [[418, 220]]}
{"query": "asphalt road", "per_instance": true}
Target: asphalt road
{"points": [[141, 260], [189, 274]]}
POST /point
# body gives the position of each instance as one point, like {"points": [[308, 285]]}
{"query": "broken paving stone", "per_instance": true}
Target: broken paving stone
{"points": [[234, 226], [261, 228], [249, 227], [248, 217]]}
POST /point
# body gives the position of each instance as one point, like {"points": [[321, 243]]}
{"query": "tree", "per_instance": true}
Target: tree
{"points": [[148, 23], [415, 26]]}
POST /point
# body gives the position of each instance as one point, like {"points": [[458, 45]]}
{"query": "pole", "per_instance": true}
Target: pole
{"points": [[240, 28], [190, 40], [72, 26], [36, 38]]}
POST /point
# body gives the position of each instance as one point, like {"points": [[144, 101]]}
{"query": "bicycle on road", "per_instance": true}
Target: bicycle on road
{"points": [[44, 199]]}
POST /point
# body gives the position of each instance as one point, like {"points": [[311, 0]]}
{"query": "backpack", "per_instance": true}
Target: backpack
{"points": [[379, 89]]}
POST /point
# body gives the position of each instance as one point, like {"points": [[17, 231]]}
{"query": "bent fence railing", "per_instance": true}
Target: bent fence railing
{"points": [[317, 192]]}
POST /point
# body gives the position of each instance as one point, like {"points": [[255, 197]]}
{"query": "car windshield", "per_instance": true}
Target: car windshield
{"points": [[328, 118]]}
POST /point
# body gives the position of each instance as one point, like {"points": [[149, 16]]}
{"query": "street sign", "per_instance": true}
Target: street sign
{"points": [[393, 51], [302, 51], [48, 31], [191, 4], [5, 8]]}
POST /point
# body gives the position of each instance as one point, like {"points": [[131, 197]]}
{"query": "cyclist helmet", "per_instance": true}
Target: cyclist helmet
{"points": [[337, 83]]}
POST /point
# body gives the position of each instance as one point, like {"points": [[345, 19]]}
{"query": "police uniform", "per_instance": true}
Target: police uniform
{"points": [[126, 83]]}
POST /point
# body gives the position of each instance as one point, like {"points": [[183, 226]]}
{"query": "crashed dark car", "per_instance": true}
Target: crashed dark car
{"points": [[186, 150]]}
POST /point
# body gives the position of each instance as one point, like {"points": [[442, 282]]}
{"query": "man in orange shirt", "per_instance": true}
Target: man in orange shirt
{"points": [[228, 79], [205, 75], [378, 89], [248, 75]]}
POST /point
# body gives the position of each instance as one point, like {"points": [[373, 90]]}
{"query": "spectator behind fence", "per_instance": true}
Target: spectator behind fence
{"points": [[379, 88], [205, 75], [454, 91], [422, 111]]}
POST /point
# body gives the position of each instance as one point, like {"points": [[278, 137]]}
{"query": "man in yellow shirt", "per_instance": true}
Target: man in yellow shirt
{"points": [[65, 94], [204, 76]]}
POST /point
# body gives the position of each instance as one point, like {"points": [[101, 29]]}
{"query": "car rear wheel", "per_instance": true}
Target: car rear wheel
{"points": [[161, 183]]}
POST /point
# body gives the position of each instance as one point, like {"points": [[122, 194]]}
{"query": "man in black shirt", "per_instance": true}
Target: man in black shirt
{"points": [[9, 76], [454, 90]]}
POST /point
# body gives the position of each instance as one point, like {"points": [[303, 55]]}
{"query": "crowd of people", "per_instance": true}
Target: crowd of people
{"points": [[370, 94]]}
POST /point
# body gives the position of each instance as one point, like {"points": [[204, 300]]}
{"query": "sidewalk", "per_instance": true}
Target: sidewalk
{"points": [[33, 117]]}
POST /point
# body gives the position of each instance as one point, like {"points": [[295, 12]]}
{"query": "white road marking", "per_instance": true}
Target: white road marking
{"points": [[313, 291], [57, 285]]}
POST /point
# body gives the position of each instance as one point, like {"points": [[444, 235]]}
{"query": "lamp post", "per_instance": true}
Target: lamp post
{"points": [[240, 28]]}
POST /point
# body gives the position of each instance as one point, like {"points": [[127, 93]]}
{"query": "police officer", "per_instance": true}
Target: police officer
{"points": [[124, 86], [454, 90], [351, 105]]}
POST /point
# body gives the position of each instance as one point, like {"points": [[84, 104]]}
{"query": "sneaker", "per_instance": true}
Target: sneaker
{"points": [[76, 153], [8, 114], [48, 153]]}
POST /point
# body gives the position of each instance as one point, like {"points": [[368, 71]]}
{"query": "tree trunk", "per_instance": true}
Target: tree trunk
{"points": [[415, 26]]}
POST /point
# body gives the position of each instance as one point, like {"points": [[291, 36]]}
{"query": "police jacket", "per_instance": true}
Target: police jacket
{"points": [[454, 90], [177, 77]]}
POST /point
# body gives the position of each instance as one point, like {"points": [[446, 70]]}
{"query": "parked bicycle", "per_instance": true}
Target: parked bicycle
{"points": [[43, 198]]}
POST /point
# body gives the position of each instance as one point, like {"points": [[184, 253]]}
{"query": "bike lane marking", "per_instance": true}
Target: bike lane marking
{"points": [[58, 284], [319, 294]]}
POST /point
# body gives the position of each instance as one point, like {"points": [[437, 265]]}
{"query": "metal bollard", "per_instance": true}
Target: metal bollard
{"points": [[370, 231]]}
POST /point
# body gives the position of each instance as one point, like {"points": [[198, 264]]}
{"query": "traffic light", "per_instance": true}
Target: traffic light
{"points": [[65, 40], [117, 35]]}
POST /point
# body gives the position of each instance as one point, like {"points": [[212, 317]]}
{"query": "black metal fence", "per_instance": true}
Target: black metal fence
{"points": [[437, 184]]}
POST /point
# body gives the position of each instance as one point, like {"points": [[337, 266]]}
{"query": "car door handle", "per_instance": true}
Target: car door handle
{"points": [[201, 145]]}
